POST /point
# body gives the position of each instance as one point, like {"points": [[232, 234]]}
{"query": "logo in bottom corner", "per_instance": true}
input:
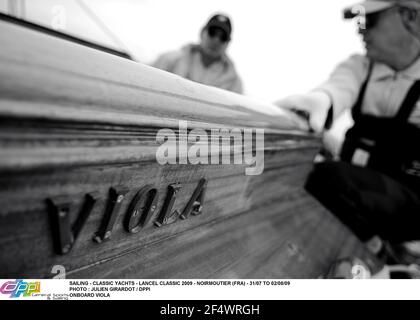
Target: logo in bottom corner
{"points": [[19, 288]]}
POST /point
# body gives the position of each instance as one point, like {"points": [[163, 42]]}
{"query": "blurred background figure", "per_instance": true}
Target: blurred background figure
{"points": [[207, 61]]}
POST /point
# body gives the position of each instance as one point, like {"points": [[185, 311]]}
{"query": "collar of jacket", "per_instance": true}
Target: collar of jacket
{"points": [[192, 48], [382, 72]]}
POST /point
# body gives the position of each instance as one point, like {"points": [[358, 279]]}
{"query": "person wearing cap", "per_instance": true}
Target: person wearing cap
{"points": [[375, 186], [207, 61]]}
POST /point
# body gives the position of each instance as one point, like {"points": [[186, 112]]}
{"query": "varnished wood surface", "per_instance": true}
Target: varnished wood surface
{"points": [[75, 121], [49, 78]]}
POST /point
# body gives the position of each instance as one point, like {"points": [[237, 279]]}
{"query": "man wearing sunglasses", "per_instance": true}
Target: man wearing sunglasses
{"points": [[206, 62], [375, 186]]}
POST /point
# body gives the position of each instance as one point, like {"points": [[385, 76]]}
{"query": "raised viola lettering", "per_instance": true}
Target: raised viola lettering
{"points": [[141, 209]]}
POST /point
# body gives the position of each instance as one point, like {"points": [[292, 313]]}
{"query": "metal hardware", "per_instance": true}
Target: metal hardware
{"points": [[64, 233], [166, 212], [195, 204], [141, 209], [116, 197]]}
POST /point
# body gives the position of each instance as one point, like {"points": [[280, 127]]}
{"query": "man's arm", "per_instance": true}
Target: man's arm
{"points": [[344, 84], [167, 61], [316, 104], [236, 85], [340, 92]]}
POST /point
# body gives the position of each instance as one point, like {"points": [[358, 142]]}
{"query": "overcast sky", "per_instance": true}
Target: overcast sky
{"points": [[279, 47]]}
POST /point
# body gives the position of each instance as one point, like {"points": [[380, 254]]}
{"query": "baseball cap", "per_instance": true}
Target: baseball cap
{"points": [[372, 6], [220, 21]]}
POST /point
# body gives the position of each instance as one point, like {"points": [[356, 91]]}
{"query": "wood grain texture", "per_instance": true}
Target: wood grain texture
{"points": [[76, 121]]}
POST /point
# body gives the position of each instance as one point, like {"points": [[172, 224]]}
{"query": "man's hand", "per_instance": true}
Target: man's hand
{"points": [[314, 105]]}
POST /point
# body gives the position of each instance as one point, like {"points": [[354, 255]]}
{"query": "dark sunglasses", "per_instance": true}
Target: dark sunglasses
{"points": [[217, 32], [371, 20]]}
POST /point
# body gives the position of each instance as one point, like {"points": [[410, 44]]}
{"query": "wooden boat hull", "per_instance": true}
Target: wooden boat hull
{"points": [[78, 158]]}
